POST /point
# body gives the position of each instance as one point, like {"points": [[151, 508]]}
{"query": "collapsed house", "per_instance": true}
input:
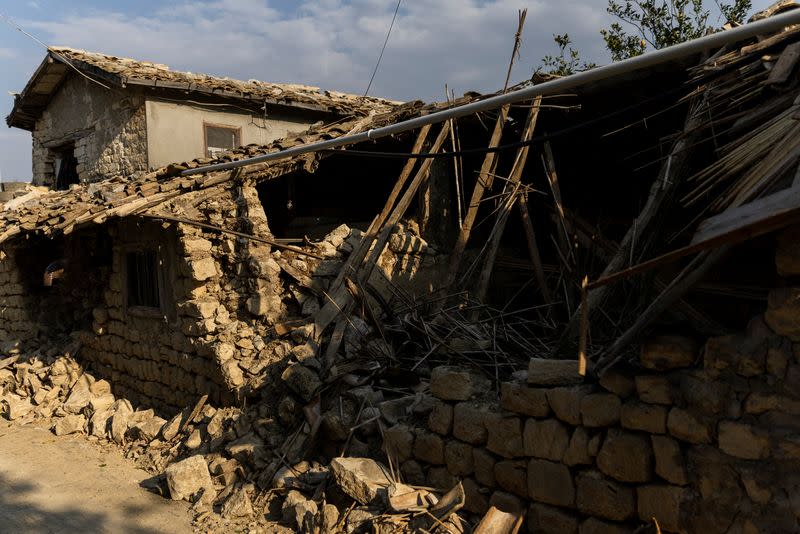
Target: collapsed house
{"points": [[591, 324], [93, 116]]}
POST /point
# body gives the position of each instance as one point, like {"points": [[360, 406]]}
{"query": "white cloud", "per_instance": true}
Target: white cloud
{"points": [[333, 44]]}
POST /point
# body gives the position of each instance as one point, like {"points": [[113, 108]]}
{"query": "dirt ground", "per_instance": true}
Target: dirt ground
{"points": [[61, 484]]}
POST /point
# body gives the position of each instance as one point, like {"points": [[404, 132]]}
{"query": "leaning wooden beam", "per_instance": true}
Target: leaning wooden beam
{"points": [[485, 180], [533, 247], [661, 194], [687, 278], [339, 298], [511, 188]]}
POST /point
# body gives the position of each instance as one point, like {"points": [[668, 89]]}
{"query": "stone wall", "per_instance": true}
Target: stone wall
{"points": [[108, 129], [15, 307], [703, 437]]}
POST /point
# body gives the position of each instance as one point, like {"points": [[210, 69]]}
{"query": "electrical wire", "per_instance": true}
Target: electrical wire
{"points": [[50, 49], [388, 33]]}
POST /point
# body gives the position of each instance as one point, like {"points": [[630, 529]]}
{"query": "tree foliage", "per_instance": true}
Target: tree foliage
{"points": [[567, 61], [648, 24], [661, 23]]}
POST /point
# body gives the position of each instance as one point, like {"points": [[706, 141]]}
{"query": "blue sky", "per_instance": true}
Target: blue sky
{"points": [[329, 43]]}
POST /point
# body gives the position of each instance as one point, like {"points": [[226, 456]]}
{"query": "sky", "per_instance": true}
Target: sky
{"points": [[333, 44]]}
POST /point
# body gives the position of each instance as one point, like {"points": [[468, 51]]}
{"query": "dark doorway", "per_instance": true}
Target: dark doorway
{"points": [[66, 167]]}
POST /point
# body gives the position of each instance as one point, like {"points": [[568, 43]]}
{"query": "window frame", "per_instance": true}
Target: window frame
{"points": [[236, 129]]}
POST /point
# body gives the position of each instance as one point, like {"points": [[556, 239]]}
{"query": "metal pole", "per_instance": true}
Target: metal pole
{"points": [[559, 85]]}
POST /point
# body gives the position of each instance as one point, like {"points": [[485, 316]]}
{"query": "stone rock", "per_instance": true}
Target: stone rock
{"points": [[662, 502], [662, 353], [120, 421], [147, 429], [170, 429], [618, 383], [238, 505], [98, 424], [233, 374], [475, 500], [742, 354], [429, 448], [519, 398], [298, 511], [16, 407], [80, 396], [705, 394], [248, 449], [458, 458], [440, 419], [743, 441], [468, 422], [721, 496], [544, 519], [669, 461], [687, 427], [508, 502], [329, 518], [194, 440], [202, 269], [577, 452], [398, 442], [598, 496], [440, 479], [483, 463], [598, 526], [511, 476], [413, 472], [566, 402], [302, 380], [362, 479], [457, 383], [654, 389], [787, 252], [550, 483], [546, 439], [546, 372], [626, 457], [650, 418], [69, 424], [188, 477], [600, 410], [504, 435], [783, 312], [101, 402]]}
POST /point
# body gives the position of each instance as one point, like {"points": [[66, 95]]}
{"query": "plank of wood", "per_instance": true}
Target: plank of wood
{"points": [[773, 207], [484, 182]]}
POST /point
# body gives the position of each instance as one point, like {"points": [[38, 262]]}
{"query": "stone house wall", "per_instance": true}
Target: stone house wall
{"points": [[108, 128], [705, 439], [15, 306]]}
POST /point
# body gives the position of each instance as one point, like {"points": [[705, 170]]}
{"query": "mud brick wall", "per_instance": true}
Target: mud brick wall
{"points": [[15, 308]]}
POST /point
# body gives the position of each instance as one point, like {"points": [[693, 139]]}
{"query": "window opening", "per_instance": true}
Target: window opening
{"points": [[220, 138], [142, 275]]}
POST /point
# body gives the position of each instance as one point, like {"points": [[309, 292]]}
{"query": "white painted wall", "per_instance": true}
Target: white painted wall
{"points": [[175, 131]]}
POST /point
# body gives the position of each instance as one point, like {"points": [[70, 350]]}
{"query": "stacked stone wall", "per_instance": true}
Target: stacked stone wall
{"points": [[108, 130], [15, 306]]}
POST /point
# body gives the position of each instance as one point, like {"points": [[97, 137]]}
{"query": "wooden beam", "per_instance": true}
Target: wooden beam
{"points": [[485, 180], [511, 188]]}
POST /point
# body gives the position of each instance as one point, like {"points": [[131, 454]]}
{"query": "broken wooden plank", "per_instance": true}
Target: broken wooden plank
{"points": [[498, 522]]}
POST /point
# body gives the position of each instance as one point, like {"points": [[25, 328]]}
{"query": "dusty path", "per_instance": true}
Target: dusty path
{"points": [[52, 484]]}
